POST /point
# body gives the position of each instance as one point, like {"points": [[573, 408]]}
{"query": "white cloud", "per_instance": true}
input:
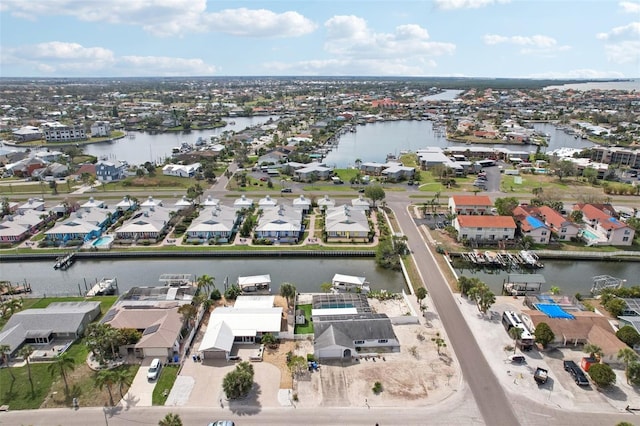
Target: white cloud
{"points": [[630, 7], [73, 59], [259, 23], [579, 73], [629, 30], [531, 45], [166, 66], [623, 52], [350, 36], [346, 66], [168, 17], [466, 4]]}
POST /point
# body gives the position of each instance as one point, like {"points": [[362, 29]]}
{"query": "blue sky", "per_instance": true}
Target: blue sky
{"points": [[469, 38]]}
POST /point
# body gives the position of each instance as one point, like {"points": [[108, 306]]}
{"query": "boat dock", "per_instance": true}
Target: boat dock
{"points": [[8, 289], [522, 284], [64, 262], [500, 259], [104, 287]]}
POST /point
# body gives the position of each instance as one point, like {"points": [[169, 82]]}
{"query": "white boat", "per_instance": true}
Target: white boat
{"points": [[530, 259], [105, 287], [349, 283]]}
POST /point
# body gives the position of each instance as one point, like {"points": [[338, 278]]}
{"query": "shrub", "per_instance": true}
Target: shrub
{"points": [[377, 388], [311, 358], [215, 294], [602, 375], [628, 335]]}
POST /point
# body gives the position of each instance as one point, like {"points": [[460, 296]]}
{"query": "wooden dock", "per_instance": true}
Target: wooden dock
{"points": [[64, 262]]}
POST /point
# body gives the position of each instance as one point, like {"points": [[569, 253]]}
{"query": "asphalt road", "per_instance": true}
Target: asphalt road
{"points": [[487, 392]]}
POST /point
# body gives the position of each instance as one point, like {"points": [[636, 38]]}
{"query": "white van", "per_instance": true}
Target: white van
{"points": [[154, 369]]}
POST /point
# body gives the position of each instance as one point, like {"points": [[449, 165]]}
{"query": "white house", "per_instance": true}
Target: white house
{"points": [[484, 228], [179, 170], [470, 204], [100, 129], [214, 222], [280, 224], [343, 223]]}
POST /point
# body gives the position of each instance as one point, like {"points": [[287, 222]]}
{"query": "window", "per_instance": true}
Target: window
{"points": [[478, 229], [625, 239], [383, 341], [544, 232], [358, 342]]}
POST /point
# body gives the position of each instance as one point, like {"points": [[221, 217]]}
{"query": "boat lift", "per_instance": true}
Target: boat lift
{"points": [[601, 282]]}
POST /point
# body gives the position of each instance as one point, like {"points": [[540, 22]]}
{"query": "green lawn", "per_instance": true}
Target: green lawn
{"points": [[17, 394], [308, 327], [165, 383]]}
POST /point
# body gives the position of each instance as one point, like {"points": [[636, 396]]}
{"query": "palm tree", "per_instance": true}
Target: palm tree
{"points": [[106, 378], [288, 291], [122, 377], [63, 363], [5, 350], [594, 351], [25, 352], [171, 419], [206, 282], [515, 333], [627, 355]]}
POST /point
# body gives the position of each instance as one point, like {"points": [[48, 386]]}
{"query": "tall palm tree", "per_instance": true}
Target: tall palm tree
{"points": [[171, 419], [25, 352], [515, 333], [106, 378], [62, 364], [594, 351], [122, 377], [5, 350], [206, 282], [627, 355], [288, 291]]}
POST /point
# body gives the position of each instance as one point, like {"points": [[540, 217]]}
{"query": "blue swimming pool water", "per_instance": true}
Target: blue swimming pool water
{"points": [[553, 311], [590, 235], [103, 241]]}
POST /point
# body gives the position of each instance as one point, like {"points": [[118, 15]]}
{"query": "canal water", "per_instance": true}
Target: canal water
{"points": [[305, 274], [140, 147]]}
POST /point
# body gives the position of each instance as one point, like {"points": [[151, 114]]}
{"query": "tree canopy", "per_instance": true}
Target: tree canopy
{"points": [[375, 192], [543, 334], [602, 375], [238, 383]]}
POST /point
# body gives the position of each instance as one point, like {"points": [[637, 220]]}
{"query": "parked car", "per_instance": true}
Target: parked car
{"points": [[576, 372], [222, 423], [154, 369], [285, 190], [541, 375]]}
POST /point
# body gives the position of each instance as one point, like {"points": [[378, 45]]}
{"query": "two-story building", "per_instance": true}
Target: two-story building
{"points": [[470, 204], [109, 171], [531, 225], [280, 224], [484, 228], [602, 228], [57, 132]]}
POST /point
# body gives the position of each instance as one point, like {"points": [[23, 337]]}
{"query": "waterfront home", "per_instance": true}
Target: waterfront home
{"points": [[280, 225], [182, 203], [27, 133], [217, 222], [179, 170], [243, 202], [54, 131], [564, 229], [325, 203], [159, 322], [346, 224], [244, 323], [484, 228], [303, 203], [396, 171], [530, 225], [602, 227], [345, 327], [361, 203], [470, 204], [20, 226], [313, 171], [148, 224], [151, 202], [267, 202], [109, 171], [61, 322], [210, 201], [433, 156], [83, 224], [126, 204], [100, 128], [92, 204], [372, 168]]}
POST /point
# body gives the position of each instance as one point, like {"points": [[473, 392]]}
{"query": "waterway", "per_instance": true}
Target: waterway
{"points": [[140, 147], [630, 85], [305, 274], [374, 141]]}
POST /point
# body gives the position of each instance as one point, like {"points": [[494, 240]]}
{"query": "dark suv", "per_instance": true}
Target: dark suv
{"points": [[576, 372]]}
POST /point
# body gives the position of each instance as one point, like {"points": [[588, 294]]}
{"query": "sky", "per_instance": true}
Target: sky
{"points": [[588, 39]]}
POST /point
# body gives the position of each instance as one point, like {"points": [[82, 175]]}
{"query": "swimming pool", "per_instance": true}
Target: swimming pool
{"points": [[103, 242]]}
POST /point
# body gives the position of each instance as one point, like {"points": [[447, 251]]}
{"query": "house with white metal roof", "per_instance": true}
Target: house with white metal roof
{"points": [[147, 224], [344, 223], [217, 222], [280, 225]]}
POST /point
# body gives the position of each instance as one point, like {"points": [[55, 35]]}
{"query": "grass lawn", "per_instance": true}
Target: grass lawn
{"points": [[17, 394], [157, 181], [165, 383], [82, 385], [308, 327]]}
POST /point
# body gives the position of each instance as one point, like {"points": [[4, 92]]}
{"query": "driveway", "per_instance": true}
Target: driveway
{"points": [[141, 390]]}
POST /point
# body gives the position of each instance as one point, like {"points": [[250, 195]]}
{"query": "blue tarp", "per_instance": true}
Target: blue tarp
{"points": [[534, 222], [553, 311]]}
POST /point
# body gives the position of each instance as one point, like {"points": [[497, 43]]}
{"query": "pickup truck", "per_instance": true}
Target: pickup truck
{"points": [[541, 375]]}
